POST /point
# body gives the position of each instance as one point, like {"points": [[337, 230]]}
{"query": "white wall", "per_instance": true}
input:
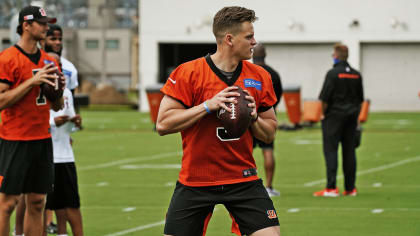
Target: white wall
{"points": [[117, 60], [300, 23], [300, 64], [387, 77]]}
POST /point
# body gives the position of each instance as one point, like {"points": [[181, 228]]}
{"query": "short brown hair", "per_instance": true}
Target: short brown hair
{"points": [[342, 51], [19, 28], [230, 19]]}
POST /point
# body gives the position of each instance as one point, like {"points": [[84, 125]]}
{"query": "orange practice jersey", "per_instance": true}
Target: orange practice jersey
{"points": [[210, 158], [27, 119]]}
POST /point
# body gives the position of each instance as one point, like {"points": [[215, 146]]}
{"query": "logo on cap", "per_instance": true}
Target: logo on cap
{"points": [[28, 17], [42, 11]]}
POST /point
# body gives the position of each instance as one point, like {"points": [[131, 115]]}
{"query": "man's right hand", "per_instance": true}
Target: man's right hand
{"points": [[45, 75], [61, 120], [226, 95]]}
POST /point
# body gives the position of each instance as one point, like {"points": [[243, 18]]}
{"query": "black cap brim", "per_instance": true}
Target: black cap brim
{"points": [[50, 20]]}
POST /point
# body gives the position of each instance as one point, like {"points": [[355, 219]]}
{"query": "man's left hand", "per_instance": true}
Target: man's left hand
{"points": [[252, 105], [77, 120]]}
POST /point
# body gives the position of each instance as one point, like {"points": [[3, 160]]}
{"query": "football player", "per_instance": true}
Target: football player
{"points": [[216, 167], [26, 164]]}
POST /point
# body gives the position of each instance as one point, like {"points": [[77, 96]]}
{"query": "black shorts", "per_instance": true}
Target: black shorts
{"points": [[66, 190], [248, 204], [26, 166], [263, 145]]}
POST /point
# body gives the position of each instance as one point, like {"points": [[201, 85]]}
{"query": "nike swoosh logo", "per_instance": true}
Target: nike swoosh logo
{"points": [[172, 81]]}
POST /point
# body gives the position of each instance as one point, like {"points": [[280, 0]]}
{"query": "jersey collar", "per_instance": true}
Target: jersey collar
{"points": [[341, 63], [32, 57], [221, 76]]}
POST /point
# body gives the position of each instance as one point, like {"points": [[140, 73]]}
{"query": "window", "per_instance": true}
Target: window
{"points": [[92, 44], [5, 43], [112, 44]]}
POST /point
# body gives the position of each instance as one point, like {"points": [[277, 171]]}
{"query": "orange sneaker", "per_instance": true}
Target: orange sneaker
{"points": [[327, 193], [352, 193]]}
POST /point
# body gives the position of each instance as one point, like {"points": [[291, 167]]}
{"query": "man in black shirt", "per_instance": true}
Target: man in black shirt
{"points": [[258, 58], [341, 96]]}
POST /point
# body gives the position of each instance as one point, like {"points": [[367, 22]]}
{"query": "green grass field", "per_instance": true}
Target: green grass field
{"points": [[127, 174]]}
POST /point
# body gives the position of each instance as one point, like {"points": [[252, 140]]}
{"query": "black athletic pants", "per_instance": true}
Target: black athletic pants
{"points": [[340, 128]]}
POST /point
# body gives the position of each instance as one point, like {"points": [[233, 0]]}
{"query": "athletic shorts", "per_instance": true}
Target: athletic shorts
{"points": [[248, 203], [66, 190], [26, 166], [263, 145]]}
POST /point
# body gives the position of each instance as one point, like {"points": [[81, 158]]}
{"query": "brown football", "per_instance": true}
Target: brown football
{"points": [[237, 121], [52, 93]]}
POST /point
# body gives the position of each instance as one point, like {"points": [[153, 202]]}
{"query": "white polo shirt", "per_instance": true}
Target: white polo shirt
{"points": [[70, 72], [63, 152]]}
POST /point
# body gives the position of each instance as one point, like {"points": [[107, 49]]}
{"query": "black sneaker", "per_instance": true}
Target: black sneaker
{"points": [[52, 228]]}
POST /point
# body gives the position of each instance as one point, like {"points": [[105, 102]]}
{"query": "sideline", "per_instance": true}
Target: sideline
{"points": [[368, 171], [129, 160]]}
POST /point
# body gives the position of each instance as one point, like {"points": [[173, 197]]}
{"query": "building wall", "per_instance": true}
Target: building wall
{"points": [[4, 35], [299, 34], [389, 69], [89, 61], [302, 64], [117, 61]]}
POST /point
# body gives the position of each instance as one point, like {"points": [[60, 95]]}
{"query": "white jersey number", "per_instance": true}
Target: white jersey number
{"points": [[40, 100], [222, 134]]}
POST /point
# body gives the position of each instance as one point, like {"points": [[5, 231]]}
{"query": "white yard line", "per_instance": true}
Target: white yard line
{"points": [[368, 171], [126, 161], [142, 227], [312, 183], [377, 211], [293, 210], [140, 207], [221, 207], [151, 166], [129, 160]]}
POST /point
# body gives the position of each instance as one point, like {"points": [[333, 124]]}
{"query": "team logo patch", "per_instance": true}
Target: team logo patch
{"points": [[67, 73], [48, 62], [42, 11], [250, 83], [28, 17], [271, 214]]}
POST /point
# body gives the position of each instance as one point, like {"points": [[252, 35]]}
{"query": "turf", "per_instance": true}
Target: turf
{"points": [[127, 172]]}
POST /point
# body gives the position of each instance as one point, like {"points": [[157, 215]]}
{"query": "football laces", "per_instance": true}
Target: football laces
{"points": [[233, 113]]}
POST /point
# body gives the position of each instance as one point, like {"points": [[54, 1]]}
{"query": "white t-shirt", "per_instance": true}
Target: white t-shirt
{"points": [[70, 72], [62, 149]]}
